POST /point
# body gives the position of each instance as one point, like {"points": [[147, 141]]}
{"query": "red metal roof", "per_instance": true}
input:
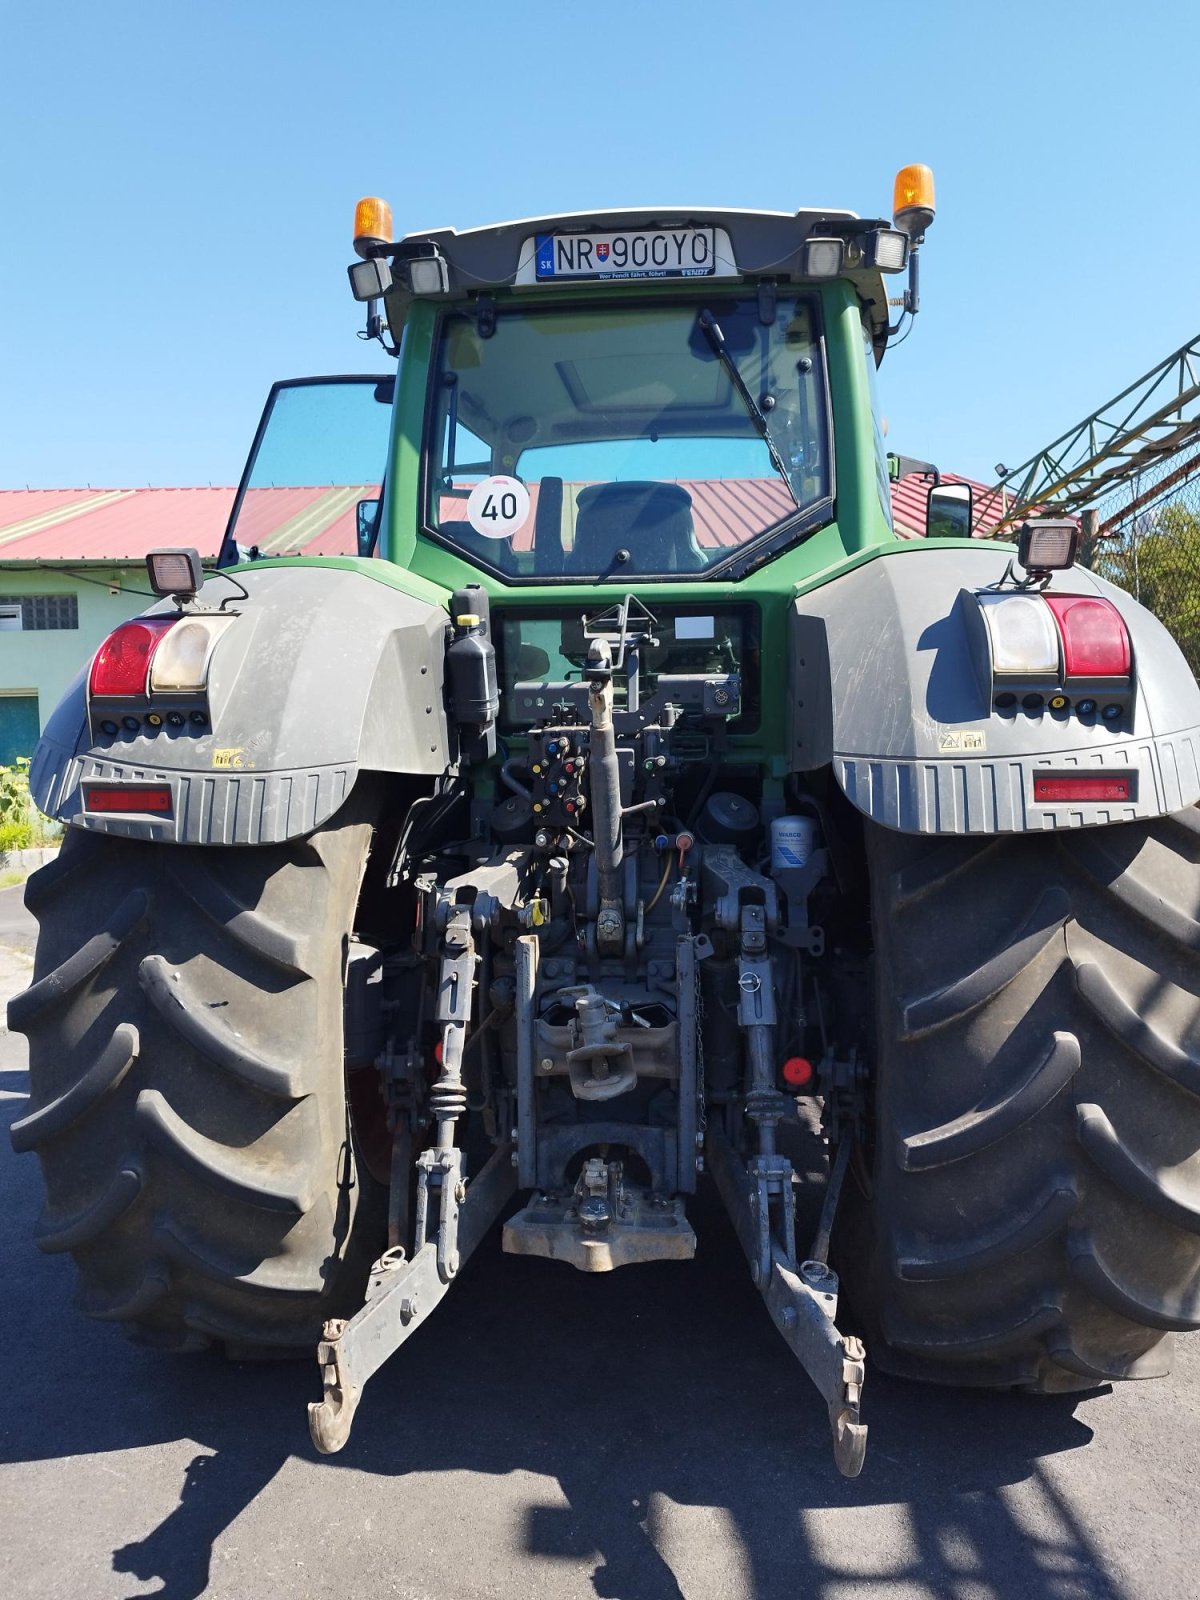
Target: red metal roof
{"points": [[109, 524], [124, 524]]}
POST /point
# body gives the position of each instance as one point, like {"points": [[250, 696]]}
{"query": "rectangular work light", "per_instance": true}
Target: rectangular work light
{"points": [[822, 258], [175, 572], [1046, 544], [370, 280], [885, 249], [429, 275]]}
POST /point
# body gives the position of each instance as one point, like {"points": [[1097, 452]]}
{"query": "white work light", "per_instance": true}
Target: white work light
{"points": [[369, 280], [429, 275], [176, 572], [822, 258], [1046, 545], [886, 249]]}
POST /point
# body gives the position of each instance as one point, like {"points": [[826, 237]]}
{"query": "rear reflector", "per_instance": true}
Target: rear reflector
{"points": [[1094, 637], [127, 797], [1047, 790], [122, 664], [797, 1072]]}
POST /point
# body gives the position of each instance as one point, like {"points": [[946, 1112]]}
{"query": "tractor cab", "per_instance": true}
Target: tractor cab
{"points": [[597, 397]]}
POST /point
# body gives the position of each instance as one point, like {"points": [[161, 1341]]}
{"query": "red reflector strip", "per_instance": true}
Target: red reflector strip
{"points": [[126, 797], [1047, 790], [1094, 637]]}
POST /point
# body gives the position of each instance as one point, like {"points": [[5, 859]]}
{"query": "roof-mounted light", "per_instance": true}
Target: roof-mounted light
{"points": [[429, 274], [885, 249], [372, 225], [913, 206], [370, 280], [822, 258]]}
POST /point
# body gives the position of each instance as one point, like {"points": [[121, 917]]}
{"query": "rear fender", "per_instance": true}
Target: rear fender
{"points": [[323, 673], [888, 687]]}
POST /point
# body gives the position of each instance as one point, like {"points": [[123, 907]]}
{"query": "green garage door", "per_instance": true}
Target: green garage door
{"points": [[19, 726]]}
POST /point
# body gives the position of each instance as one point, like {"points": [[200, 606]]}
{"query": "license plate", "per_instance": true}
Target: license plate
{"points": [[654, 253]]}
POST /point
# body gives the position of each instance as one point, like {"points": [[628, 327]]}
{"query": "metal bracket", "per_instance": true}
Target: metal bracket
{"points": [[604, 1224], [756, 992], [727, 878], [441, 1171], [400, 1296]]}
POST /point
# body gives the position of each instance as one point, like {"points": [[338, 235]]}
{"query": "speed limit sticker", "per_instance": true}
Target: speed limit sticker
{"points": [[498, 507]]}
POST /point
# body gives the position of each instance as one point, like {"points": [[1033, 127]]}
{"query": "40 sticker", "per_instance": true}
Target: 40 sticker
{"points": [[498, 507]]}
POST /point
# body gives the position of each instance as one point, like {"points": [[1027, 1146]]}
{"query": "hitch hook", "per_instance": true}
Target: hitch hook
{"points": [[329, 1419]]}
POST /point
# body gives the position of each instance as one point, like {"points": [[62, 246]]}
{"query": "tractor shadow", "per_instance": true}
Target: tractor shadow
{"points": [[655, 1384]]}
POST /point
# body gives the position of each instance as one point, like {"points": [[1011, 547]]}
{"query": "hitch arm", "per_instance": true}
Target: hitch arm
{"points": [[400, 1297], [802, 1300], [803, 1305]]}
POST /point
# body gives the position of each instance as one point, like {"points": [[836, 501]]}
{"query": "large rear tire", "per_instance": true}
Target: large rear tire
{"points": [[187, 1090], [1032, 1214]]}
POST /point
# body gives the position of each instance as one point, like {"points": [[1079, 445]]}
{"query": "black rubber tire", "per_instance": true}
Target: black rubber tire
{"points": [[187, 1089], [1033, 1214]]}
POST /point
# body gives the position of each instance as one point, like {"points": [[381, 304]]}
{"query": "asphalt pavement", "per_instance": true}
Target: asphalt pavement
{"points": [[641, 1435]]}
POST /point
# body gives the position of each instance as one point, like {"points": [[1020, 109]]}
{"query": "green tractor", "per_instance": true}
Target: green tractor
{"points": [[607, 797]]}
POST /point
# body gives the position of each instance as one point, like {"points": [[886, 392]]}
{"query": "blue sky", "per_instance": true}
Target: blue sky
{"points": [[180, 182]]}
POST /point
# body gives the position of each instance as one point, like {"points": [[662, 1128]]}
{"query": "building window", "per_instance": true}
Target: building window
{"points": [[39, 611]]}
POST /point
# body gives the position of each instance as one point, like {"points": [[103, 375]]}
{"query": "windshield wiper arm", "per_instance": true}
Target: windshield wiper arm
{"points": [[716, 340]]}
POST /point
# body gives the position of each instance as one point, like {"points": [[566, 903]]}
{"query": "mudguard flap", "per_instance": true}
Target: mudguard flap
{"points": [[887, 685], [323, 672]]}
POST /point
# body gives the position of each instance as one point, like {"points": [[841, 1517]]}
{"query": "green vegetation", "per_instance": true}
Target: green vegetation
{"points": [[22, 825], [1161, 567]]}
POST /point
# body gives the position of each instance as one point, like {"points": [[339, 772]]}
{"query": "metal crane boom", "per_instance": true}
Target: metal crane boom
{"points": [[1156, 417]]}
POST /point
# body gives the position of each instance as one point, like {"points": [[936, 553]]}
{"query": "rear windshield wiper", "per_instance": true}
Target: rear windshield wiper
{"points": [[716, 340]]}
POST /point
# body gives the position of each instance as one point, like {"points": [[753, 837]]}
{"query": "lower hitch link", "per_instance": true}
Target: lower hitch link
{"points": [[451, 1218], [802, 1297], [402, 1293]]}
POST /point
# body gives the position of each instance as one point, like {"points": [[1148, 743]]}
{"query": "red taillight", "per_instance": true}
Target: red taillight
{"points": [[122, 663], [1048, 790], [127, 797], [1094, 637]]}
